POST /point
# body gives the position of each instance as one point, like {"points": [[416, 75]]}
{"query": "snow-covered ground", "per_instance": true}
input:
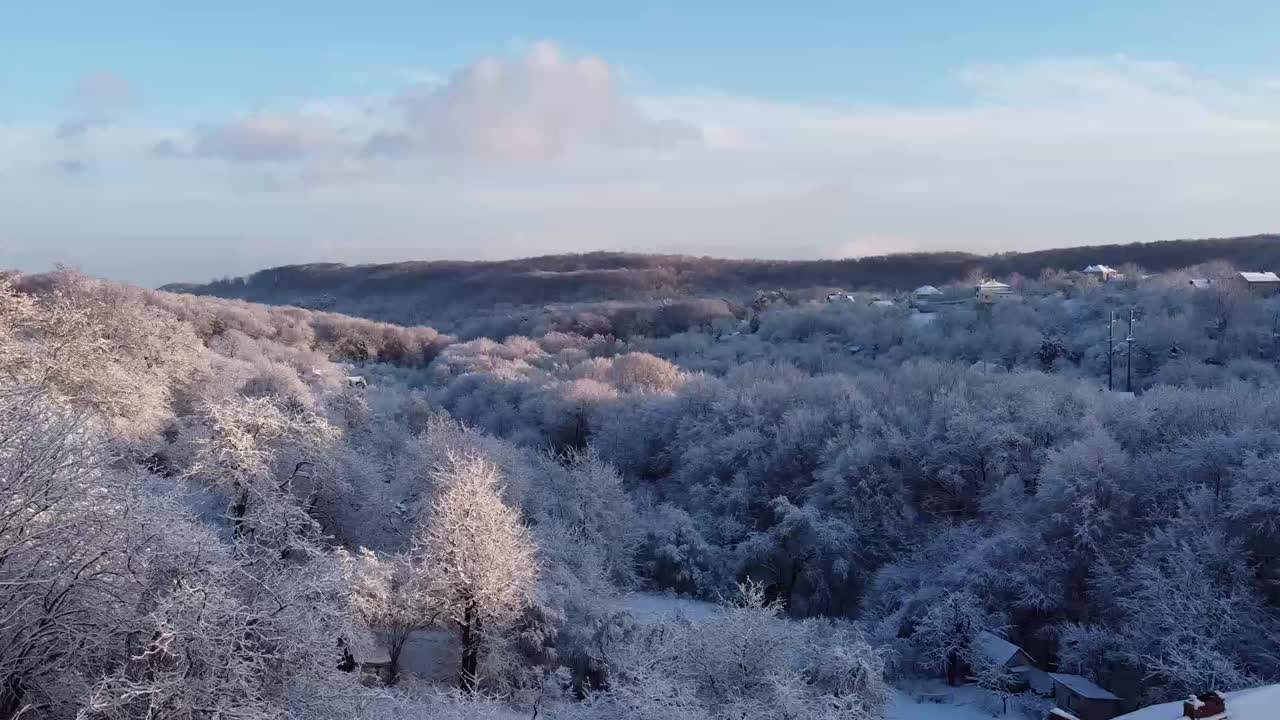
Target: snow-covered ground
{"points": [[907, 705], [1260, 703], [650, 606]]}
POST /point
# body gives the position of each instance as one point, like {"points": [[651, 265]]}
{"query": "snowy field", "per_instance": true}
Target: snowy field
{"points": [[651, 606], [906, 706]]}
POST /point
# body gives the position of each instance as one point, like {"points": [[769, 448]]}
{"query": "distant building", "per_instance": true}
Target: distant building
{"points": [[1103, 273], [1083, 698], [1259, 283], [992, 290], [1201, 283], [925, 293], [840, 297]]}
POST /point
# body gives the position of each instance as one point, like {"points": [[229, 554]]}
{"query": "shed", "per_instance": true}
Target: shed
{"points": [[1084, 698], [1000, 652], [1103, 272]]}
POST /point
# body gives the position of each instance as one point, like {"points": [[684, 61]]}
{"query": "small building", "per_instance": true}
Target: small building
{"points": [[1260, 283], [999, 652], [1103, 273], [991, 291], [925, 293], [1083, 698], [841, 297], [1201, 283]]}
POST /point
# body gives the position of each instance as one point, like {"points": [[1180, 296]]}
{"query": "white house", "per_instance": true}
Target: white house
{"points": [[990, 291], [1103, 272], [1260, 283]]}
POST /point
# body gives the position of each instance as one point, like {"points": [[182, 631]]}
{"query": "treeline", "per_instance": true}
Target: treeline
{"points": [[447, 293]]}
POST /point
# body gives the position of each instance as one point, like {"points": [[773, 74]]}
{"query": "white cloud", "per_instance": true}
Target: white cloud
{"points": [[547, 153]]}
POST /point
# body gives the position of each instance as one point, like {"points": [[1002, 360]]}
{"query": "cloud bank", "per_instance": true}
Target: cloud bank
{"points": [[548, 152]]}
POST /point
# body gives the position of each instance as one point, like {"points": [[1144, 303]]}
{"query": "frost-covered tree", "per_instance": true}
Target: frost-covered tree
{"points": [[390, 596], [481, 561], [947, 634]]}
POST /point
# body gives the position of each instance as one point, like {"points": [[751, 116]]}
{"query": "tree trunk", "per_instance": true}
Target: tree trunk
{"points": [[11, 696], [393, 673], [238, 510], [468, 679]]}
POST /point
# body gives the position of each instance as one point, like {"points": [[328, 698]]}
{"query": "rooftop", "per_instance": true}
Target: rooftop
{"points": [[1083, 686], [995, 648], [1266, 277]]}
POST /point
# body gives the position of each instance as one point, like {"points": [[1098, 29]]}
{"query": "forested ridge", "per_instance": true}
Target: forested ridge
{"points": [[451, 294], [215, 508]]}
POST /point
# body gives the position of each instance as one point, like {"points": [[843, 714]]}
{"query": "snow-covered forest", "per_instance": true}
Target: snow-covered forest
{"points": [[217, 509]]}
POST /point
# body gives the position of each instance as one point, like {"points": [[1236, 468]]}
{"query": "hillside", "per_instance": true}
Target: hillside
{"points": [[441, 292]]}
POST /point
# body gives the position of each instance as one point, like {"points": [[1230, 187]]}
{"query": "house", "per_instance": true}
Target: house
{"points": [[1259, 283], [1083, 698], [1103, 273], [999, 652], [991, 291]]}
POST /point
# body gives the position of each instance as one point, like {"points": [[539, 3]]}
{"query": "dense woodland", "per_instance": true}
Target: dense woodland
{"points": [[205, 517]]}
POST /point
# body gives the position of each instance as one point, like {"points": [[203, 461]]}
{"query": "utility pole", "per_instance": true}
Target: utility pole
{"points": [[1111, 329], [1128, 356]]}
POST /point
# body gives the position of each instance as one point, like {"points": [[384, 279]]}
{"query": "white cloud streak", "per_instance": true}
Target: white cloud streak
{"points": [[547, 153]]}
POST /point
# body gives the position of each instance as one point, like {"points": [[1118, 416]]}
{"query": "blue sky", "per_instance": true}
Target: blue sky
{"points": [[212, 138]]}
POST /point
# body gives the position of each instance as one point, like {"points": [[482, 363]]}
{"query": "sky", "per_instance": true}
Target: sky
{"points": [[152, 143]]}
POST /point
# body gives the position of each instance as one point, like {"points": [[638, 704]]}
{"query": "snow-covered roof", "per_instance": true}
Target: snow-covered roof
{"points": [[992, 285], [1082, 686], [996, 649], [927, 290], [1263, 277], [882, 303], [1099, 269], [1253, 704], [1060, 714]]}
